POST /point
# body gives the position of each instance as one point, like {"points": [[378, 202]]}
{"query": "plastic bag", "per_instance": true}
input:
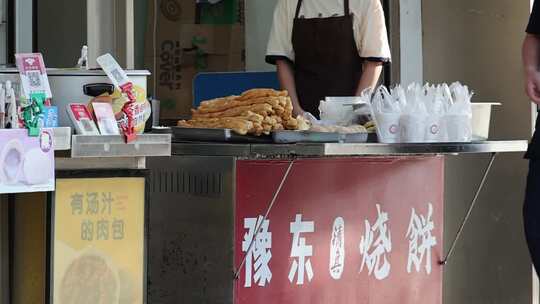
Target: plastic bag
{"points": [[423, 113], [399, 96], [413, 119], [386, 113], [435, 105], [362, 110], [458, 118], [461, 100]]}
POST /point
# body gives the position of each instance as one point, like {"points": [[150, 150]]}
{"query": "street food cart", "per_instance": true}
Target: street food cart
{"points": [[302, 223]]}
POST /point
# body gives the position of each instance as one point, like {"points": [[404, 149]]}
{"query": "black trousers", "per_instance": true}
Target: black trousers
{"points": [[531, 212]]}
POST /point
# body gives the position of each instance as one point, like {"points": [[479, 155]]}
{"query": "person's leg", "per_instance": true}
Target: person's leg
{"points": [[531, 213]]}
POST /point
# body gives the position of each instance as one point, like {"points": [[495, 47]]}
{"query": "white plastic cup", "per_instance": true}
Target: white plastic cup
{"points": [[458, 128], [413, 128], [434, 129], [388, 129]]}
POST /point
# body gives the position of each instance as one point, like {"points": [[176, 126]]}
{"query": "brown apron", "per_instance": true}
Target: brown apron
{"points": [[327, 62]]}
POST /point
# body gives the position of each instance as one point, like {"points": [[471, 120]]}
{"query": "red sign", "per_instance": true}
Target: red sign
{"points": [[351, 230], [32, 62], [80, 111]]}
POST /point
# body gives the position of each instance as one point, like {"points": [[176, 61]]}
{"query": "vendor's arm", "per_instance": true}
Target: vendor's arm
{"points": [[280, 50], [372, 43], [370, 76], [285, 72], [531, 55]]}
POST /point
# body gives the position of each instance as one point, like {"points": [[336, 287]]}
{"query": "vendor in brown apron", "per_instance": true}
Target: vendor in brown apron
{"points": [[326, 58]]}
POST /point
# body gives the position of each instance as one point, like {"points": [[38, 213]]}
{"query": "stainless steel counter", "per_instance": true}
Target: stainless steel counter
{"points": [[85, 152], [337, 150]]}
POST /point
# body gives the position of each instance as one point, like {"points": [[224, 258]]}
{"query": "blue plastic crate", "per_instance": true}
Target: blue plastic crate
{"points": [[214, 85]]}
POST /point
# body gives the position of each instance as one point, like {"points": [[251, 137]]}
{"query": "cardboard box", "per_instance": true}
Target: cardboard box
{"points": [[213, 39], [171, 14], [192, 49], [184, 48], [177, 11], [176, 99]]}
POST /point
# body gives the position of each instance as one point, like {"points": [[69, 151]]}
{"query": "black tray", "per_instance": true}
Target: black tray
{"points": [[161, 130], [372, 138], [181, 134]]}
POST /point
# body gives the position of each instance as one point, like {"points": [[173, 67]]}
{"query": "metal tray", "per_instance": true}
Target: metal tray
{"points": [[181, 134], [290, 137], [354, 138]]}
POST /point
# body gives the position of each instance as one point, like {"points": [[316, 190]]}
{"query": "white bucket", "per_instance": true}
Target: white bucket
{"points": [[481, 119]]}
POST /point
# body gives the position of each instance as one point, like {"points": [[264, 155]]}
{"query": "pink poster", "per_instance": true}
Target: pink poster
{"points": [[27, 163]]}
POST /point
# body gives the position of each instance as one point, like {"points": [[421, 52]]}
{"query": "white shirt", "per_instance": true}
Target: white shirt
{"points": [[369, 26]]}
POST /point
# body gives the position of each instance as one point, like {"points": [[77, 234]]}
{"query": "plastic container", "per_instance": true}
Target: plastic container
{"points": [[481, 119], [340, 110], [336, 112]]}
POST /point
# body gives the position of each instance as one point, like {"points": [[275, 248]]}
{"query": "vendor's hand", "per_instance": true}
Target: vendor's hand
{"points": [[532, 86], [309, 117], [298, 112]]}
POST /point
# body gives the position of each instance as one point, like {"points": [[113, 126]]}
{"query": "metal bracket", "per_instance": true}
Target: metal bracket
{"points": [[471, 207], [258, 228]]}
